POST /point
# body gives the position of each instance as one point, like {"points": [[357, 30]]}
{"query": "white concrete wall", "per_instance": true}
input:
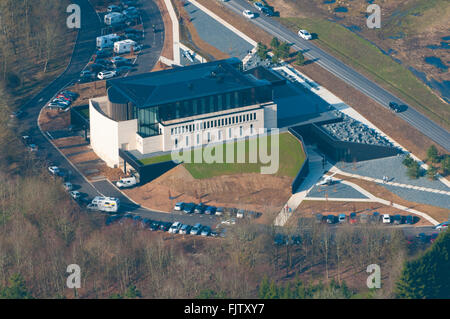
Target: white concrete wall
{"points": [[270, 116], [107, 136], [150, 144]]}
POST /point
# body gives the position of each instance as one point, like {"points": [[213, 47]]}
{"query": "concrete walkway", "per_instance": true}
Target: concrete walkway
{"points": [[380, 181], [316, 172], [175, 32]]}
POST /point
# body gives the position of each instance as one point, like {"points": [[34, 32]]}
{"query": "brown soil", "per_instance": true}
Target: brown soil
{"points": [[167, 51], [51, 120], [262, 193], [88, 91], [80, 156]]}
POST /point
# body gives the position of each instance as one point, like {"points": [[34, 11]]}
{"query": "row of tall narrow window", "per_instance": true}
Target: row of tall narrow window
{"points": [[202, 125]]}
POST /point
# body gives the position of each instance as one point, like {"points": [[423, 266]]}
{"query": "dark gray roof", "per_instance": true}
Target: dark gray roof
{"points": [[157, 88]]}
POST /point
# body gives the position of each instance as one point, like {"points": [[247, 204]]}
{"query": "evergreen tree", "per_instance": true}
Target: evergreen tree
{"points": [[431, 172], [16, 289], [263, 288], [427, 276], [273, 291], [300, 59], [275, 43], [133, 293], [432, 154]]}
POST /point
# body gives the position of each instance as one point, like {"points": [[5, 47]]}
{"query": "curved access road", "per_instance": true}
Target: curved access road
{"points": [[84, 48], [426, 126]]}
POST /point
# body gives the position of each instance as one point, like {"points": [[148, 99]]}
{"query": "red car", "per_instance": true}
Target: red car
{"points": [[353, 218]]}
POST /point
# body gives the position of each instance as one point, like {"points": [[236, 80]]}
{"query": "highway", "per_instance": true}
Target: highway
{"points": [[429, 128]]}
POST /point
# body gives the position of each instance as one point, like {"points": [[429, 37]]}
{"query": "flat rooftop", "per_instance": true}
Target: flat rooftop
{"points": [[178, 84]]}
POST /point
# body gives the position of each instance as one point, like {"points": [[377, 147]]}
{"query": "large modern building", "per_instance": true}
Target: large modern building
{"points": [[183, 107]]}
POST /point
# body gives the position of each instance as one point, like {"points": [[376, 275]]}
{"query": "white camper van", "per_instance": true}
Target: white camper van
{"points": [[106, 204], [114, 18], [107, 41], [124, 46], [126, 182]]}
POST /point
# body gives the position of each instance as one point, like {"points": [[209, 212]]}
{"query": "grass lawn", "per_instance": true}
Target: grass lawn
{"points": [[291, 158], [367, 58]]}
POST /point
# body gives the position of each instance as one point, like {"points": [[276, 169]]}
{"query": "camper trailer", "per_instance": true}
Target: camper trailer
{"points": [[124, 46], [114, 18], [107, 41], [106, 204]]}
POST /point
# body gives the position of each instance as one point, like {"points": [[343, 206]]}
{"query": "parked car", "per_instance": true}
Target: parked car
{"points": [[220, 211], [397, 219], [113, 8], [330, 219], [375, 217], [353, 218], [154, 225], [386, 219], [189, 208], [248, 14], [196, 229], [145, 222], [112, 219], [106, 75], [280, 239], [68, 186], [442, 226], [179, 206], [185, 229], [123, 69], [231, 221], [409, 220], [32, 148], [94, 67], [342, 218], [240, 213], [200, 208], [118, 59], [304, 34], [54, 170], [210, 210], [175, 228], [103, 53], [18, 114], [165, 226], [126, 182], [206, 231], [105, 63], [75, 195]]}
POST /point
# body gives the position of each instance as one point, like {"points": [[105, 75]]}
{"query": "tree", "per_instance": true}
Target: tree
{"points": [[300, 59], [427, 276], [432, 154], [261, 51], [413, 171], [431, 172], [275, 43], [133, 293], [263, 287], [446, 165], [16, 289]]}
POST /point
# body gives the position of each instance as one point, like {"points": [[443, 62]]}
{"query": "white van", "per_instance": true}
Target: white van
{"points": [[114, 18], [107, 41], [125, 46], [126, 182], [175, 227], [106, 204]]}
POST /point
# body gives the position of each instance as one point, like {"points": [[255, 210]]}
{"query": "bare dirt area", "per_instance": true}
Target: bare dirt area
{"points": [[439, 214], [51, 120], [309, 208], [88, 91], [261, 193], [79, 152]]}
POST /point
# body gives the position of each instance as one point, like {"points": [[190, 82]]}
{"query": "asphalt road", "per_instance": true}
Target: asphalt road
{"points": [[429, 128], [85, 47]]}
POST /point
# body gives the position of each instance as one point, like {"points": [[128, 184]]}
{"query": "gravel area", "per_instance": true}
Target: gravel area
{"points": [[351, 130], [393, 168], [337, 190], [439, 200], [216, 34]]}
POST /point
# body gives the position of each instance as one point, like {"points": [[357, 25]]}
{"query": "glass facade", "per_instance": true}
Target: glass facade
{"points": [[149, 118]]}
